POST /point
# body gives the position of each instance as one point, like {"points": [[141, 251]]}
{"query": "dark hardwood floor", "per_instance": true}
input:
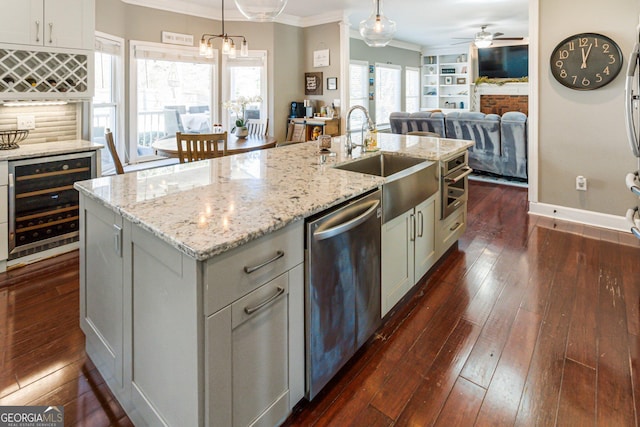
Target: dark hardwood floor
{"points": [[529, 321]]}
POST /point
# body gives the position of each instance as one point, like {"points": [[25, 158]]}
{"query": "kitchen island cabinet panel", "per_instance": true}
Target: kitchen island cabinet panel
{"points": [[397, 260], [101, 298], [408, 251], [254, 345], [425, 246], [166, 332]]}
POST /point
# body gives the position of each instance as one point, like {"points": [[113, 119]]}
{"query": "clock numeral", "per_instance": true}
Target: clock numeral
{"points": [[606, 70], [559, 64], [613, 59], [575, 78], [595, 41], [572, 45], [585, 81], [584, 41], [598, 78], [605, 48], [563, 73], [564, 54]]}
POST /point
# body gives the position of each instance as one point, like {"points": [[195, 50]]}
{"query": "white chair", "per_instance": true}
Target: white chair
{"points": [[257, 126]]}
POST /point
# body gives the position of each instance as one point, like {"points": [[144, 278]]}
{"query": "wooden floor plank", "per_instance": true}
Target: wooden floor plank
{"points": [[462, 404], [502, 399], [539, 402], [440, 378], [577, 405]]}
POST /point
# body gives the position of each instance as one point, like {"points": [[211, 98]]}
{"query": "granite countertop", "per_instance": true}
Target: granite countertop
{"points": [[26, 151], [208, 207]]}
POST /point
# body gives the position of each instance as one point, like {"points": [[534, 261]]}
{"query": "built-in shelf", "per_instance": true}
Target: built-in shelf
{"points": [[441, 75]]}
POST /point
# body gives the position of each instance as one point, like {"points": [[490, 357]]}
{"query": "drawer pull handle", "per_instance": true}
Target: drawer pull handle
{"points": [[251, 310], [250, 270], [455, 226], [38, 31]]}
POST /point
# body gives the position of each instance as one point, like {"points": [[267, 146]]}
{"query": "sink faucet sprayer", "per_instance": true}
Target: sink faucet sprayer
{"points": [[349, 143]]}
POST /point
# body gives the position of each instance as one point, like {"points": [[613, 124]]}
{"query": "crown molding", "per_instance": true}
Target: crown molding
{"points": [[189, 8], [355, 34]]}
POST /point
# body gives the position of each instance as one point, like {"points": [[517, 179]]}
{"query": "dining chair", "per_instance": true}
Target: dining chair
{"points": [[200, 146], [108, 136], [257, 126]]}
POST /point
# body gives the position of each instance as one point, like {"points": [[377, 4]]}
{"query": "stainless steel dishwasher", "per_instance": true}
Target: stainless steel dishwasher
{"points": [[342, 285]]}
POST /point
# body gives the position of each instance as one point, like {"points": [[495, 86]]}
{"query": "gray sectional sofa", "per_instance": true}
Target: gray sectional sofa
{"points": [[500, 142]]}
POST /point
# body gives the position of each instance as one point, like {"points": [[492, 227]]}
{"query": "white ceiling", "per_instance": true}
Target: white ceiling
{"points": [[429, 23]]}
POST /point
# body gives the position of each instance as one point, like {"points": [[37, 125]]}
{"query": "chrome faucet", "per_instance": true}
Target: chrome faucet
{"points": [[349, 143]]}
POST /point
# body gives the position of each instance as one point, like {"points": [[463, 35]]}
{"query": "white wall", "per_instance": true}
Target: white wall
{"points": [[583, 132]]}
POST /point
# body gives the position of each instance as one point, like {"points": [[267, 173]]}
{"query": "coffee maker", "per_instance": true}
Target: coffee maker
{"points": [[297, 110]]}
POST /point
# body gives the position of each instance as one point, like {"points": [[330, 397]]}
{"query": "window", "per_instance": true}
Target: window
{"points": [[358, 90], [245, 77], [106, 108], [172, 90], [388, 91], [412, 89]]}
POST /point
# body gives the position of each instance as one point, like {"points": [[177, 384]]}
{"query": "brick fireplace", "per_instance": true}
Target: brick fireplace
{"points": [[500, 104], [499, 99]]}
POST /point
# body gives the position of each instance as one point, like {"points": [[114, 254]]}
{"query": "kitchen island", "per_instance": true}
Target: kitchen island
{"points": [[177, 263]]}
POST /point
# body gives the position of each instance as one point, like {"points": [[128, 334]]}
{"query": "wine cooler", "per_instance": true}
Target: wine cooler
{"points": [[43, 205]]}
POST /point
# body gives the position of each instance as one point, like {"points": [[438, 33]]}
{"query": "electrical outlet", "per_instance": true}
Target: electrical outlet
{"points": [[26, 122], [581, 183]]}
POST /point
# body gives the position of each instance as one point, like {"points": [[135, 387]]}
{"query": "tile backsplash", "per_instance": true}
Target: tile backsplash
{"points": [[53, 122]]}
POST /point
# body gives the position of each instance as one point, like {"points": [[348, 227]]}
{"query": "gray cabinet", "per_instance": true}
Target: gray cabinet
{"points": [[185, 342], [101, 295], [408, 251], [247, 346]]}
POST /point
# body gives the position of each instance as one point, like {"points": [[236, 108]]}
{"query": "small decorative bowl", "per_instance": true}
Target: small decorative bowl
{"points": [[9, 138]]}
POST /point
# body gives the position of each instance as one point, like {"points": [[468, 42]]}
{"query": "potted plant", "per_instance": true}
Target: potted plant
{"points": [[238, 106]]}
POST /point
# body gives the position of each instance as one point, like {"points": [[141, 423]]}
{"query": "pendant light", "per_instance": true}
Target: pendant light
{"points": [[261, 10], [377, 30], [228, 45]]}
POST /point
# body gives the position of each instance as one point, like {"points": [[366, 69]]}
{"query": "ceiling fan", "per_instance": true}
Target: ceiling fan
{"points": [[483, 38]]}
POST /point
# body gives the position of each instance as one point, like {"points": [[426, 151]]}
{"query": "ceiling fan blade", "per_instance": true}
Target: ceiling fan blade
{"points": [[467, 41], [498, 34], [509, 38], [462, 38]]}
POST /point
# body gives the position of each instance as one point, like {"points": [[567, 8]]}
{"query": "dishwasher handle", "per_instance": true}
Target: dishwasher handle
{"points": [[371, 207]]}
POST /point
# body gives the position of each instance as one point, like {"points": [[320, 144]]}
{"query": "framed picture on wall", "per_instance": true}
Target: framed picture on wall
{"points": [[332, 83], [461, 81], [313, 83], [448, 80]]}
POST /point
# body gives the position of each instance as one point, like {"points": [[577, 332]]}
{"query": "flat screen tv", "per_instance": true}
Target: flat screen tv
{"points": [[504, 62]]}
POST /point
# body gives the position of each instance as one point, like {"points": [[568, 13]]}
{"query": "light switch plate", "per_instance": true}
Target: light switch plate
{"points": [[26, 122]]}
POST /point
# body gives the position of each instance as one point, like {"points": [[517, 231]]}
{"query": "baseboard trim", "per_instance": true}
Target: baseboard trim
{"points": [[596, 219]]}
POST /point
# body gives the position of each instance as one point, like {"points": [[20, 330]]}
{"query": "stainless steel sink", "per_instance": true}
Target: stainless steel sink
{"points": [[383, 164], [409, 180]]}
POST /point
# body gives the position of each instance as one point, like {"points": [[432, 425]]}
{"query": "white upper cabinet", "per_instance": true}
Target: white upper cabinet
{"points": [[51, 23]]}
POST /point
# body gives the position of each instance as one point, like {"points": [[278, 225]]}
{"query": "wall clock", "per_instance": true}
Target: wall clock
{"points": [[586, 61]]}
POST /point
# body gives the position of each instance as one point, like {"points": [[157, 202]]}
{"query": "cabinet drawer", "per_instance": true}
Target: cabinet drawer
{"points": [[234, 274], [453, 227], [4, 173]]}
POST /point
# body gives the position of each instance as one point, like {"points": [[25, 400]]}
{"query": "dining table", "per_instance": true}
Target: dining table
{"points": [[169, 148]]}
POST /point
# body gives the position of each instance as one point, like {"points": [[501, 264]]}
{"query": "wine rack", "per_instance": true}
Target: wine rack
{"points": [[45, 75]]}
